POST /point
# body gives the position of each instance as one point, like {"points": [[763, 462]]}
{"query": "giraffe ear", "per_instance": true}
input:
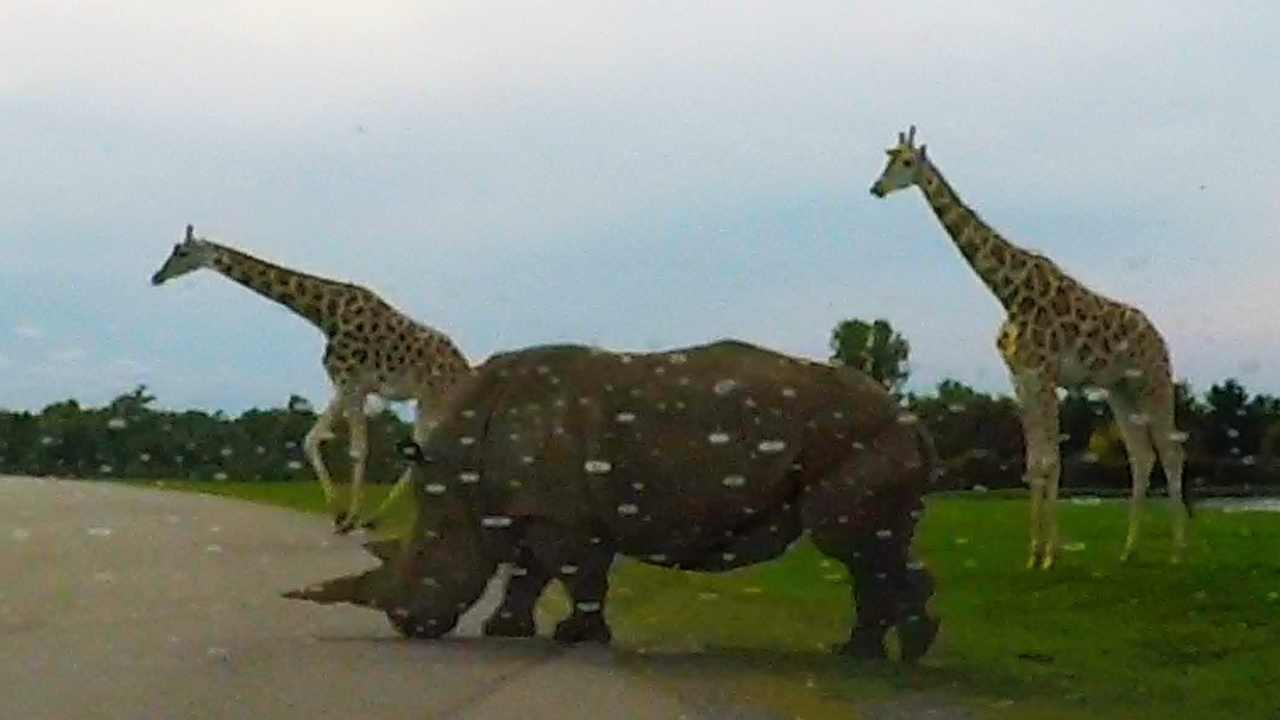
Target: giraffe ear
{"points": [[920, 151], [191, 233]]}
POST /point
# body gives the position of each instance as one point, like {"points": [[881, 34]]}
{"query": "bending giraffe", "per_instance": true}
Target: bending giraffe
{"points": [[1060, 333], [372, 349]]}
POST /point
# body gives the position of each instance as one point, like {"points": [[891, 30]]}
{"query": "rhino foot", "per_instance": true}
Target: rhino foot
{"points": [[864, 647], [916, 636], [583, 627], [506, 624], [417, 628]]}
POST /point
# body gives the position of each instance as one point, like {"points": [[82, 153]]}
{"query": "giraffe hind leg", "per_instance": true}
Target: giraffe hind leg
{"points": [[422, 426], [1168, 446], [1135, 433]]}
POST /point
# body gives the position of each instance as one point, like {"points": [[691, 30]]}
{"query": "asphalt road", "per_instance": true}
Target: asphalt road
{"points": [[120, 602]]}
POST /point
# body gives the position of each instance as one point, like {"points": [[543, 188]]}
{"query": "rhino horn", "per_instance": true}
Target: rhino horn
{"points": [[354, 589]]}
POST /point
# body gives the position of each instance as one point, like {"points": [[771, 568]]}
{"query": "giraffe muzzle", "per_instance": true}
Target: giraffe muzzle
{"points": [[877, 190]]}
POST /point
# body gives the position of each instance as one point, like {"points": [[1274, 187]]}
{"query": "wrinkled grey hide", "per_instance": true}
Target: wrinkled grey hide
{"points": [[557, 458]]}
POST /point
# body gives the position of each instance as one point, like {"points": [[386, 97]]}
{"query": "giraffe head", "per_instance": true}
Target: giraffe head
{"points": [[904, 167], [191, 254]]}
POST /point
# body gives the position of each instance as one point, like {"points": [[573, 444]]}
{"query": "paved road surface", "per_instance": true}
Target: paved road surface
{"points": [[119, 602]]}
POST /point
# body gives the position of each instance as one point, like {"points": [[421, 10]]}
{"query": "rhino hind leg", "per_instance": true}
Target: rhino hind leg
{"points": [[890, 592], [581, 563], [514, 617]]}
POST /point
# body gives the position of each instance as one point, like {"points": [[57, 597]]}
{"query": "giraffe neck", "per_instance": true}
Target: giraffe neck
{"points": [[315, 298], [1003, 267]]}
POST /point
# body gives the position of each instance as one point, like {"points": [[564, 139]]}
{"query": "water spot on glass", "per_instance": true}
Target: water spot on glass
{"points": [[658, 557], [708, 596], [771, 446], [105, 469], [718, 438], [628, 509], [907, 418], [638, 485], [884, 534], [734, 481], [568, 569], [597, 467], [625, 417], [117, 423], [468, 477], [624, 358], [434, 489], [788, 392], [99, 532], [587, 606], [496, 521], [213, 548], [519, 571], [220, 476], [294, 465], [725, 386], [144, 457], [227, 452], [466, 440]]}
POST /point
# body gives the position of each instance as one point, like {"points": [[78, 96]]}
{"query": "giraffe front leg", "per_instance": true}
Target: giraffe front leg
{"points": [[1038, 406], [359, 449], [319, 433]]}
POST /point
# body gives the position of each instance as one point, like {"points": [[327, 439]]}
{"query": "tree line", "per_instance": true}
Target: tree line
{"points": [[1233, 435]]}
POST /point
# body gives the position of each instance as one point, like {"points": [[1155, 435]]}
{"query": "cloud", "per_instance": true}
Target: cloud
{"points": [[28, 331]]}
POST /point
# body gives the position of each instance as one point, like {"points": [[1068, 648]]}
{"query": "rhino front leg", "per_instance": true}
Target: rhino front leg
{"points": [[581, 563], [515, 616]]}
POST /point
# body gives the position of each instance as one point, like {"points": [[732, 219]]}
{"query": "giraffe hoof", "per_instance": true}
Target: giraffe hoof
{"points": [[340, 519]]}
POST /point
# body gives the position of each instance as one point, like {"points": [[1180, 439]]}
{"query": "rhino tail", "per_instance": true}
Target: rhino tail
{"points": [[929, 454]]}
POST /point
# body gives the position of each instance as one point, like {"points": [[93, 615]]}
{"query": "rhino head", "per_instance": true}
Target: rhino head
{"points": [[427, 579]]}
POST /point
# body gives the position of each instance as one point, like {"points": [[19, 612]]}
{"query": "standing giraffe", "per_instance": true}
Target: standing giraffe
{"points": [[1058, 332], [372, 349]]}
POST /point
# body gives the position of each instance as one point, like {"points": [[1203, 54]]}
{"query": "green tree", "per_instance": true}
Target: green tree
{"points": [[875, 348]]}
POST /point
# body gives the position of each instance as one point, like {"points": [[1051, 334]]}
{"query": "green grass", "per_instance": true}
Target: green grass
{"points": [[1090, 639]]}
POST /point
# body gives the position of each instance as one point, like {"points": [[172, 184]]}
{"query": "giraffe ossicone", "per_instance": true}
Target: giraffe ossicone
{"points": [[372, 349], [1059, 333]]}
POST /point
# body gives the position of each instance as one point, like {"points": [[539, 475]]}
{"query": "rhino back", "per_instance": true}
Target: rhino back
{"points": [[658, 451]]}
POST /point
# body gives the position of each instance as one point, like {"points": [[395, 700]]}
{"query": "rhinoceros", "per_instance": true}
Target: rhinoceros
{"points": [[555, 459]]}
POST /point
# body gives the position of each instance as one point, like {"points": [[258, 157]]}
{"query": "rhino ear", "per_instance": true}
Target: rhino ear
{"points": [[412, 451]]}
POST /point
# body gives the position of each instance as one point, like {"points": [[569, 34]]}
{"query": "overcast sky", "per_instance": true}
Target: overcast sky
{"points": [[635, 174]]}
